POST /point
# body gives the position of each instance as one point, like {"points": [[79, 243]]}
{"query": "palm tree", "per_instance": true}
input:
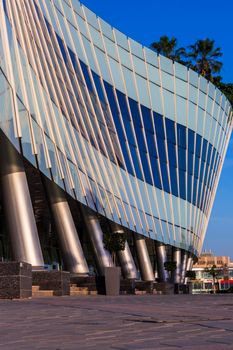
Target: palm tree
{"points": [[204, 57], [168, 47], [214, 272]]}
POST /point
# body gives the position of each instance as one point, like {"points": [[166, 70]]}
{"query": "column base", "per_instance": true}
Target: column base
{"points": [[15, 280]]}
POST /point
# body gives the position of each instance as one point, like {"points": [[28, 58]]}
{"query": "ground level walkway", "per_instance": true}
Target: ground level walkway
{"points": [[125, 322]]}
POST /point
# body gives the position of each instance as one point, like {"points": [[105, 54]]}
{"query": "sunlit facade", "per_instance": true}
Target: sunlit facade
{"points": [[130, 135]]}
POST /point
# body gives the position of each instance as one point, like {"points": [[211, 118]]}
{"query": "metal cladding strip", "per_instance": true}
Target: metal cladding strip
{"points": [[65, 92]]}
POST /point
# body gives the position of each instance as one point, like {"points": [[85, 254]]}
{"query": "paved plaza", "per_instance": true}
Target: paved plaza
{"points": [[125, 322]]}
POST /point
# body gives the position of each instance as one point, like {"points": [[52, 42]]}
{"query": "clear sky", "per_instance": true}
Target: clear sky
{"points": [[147, 20]]}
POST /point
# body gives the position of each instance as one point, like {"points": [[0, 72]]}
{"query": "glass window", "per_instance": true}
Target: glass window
{"points": [[164, 173], [161, 149], [155, 171], [159, 127], [181, 135], [135, 112], [123, 105], [170, 131], [147, 119]]}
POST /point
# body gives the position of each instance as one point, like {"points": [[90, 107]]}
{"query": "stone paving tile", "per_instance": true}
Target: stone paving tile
{"points": [[120, 323]]}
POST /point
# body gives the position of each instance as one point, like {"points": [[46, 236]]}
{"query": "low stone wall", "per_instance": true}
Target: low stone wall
{"points": [[15, 280], [58, 281]]}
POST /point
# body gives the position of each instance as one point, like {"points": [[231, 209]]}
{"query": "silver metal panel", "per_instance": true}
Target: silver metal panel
{"points": [[17, 207], [125, 258], [145, 266], [102, 256], [176, 256], [189, 267], [161, 256], [184, 265]]}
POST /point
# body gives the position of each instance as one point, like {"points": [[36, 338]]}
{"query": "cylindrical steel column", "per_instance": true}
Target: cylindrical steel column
{"points": [[176, 257], [145, 266], [72, 252], [189, 267], [17, 207], [102, 256], [161, 259], [184, 261], [125, 258]]}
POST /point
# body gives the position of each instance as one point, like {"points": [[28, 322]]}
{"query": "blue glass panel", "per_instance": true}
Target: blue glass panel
{"points": [[164, 173], [172, 154], [159, 128], [173, 176], [182, 158], [198, 145], [155, 171], [204, 149], [196, 166], [111, 99], [86, 76], [136, 162], [201, 170], [209, 153], [140, 138], [98, 86], [147, 119], [129, 132], [127, 159], [190, 163], [135, 112], [191, 140], [161, 149], [170, 129], [151, 144], [123, 105], [146, 168], [182, 181], [181, 135]]}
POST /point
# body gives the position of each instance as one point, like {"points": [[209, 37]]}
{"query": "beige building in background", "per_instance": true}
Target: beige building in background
{"points": [[204, 281]]}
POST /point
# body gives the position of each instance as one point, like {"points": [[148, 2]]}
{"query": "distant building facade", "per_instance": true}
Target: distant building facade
{"points": [[204, 281]]}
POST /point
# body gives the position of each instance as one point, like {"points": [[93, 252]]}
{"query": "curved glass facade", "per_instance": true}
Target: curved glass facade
{"points": [[134, 136]]}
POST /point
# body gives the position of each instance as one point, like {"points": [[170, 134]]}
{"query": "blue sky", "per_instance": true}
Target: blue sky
{"points": [[145, 21]]}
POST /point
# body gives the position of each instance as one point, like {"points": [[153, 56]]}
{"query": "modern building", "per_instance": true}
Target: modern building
{"points": [[99, 133], [203, 283]]}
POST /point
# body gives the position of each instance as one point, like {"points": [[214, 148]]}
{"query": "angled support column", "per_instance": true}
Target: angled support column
{"points": [[72, 252], [102, 256], [189, 267], [145, 266], [17, 206], [161, 259], [125, 258], [184, 260], [176, 257]]}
